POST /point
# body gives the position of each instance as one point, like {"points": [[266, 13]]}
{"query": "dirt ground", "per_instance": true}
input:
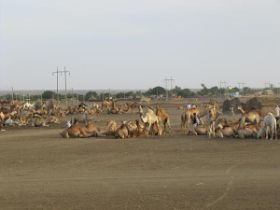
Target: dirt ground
{"points": [[39, 170]]}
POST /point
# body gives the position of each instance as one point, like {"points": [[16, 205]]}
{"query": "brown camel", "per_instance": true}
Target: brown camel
{"points": [[187, 119], [163, 117], [111, 127], [76, 131], [252, 117]]}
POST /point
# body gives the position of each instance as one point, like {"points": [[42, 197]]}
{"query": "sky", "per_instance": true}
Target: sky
{"points": [[135, 44]]}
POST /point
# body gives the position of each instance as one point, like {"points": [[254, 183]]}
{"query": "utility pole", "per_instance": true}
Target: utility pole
{"points": [[171, 82], [56, 72], [167, 81], [241, 85], [65, 72], [166, 87], [65, 77], [222, 84]]}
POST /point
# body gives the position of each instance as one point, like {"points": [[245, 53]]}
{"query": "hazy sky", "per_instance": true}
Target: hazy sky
{"points": [[135, 44]]}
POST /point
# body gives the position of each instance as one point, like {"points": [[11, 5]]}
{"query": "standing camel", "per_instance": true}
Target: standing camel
{"points": [[268, 124], [163, 117], [149, 117], [187, 120], [253, 117]]}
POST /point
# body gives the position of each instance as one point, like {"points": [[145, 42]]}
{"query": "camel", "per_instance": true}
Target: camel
{"points": [[201, 130], [163, 117], [122, 132], [28, 106], [114, 109], [75, 131], [269, 123], [2, 116], [225, 131], [134, 106], [142, 129], [156, 129], [107, 105], [132, 129], [112, 127], [187, 120], [211, 118], [252, 117], [150, 117], [247, 131]]}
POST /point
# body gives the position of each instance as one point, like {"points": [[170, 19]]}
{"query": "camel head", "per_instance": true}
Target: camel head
{"points": [[212, 112]]}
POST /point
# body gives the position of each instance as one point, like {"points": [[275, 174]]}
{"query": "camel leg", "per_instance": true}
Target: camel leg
{"points": [[266, 132]]}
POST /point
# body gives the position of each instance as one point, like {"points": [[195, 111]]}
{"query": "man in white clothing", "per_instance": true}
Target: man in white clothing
{"points": [[277, 112]]}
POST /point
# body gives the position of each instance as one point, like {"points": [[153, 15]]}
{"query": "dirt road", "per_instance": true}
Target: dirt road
{"points": [[39, 170]]}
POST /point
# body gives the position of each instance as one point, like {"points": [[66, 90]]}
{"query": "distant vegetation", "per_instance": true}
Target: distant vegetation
{"points": [[156, 92]]}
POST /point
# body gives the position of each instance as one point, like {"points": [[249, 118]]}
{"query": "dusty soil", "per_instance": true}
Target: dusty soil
{"points": [[39, 170]]}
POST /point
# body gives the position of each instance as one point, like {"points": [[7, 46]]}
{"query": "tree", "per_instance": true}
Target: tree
{"points": [[185, 93], [247, 91], [214, 91], [176, 90], [91, 95], [156, 91], [48, 94], [204, 91]]}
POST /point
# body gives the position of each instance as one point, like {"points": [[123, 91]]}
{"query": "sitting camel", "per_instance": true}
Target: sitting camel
{"points": [[75, 131], [225, 131], [247, 131], [142, 129], [122, 132], [268, 124], [111, 127]]}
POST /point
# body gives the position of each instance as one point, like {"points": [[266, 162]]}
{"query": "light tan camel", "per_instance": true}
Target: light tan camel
{"points": [[225, 131], [269, 125], [211, 118], [149, 117], [122, 132]]}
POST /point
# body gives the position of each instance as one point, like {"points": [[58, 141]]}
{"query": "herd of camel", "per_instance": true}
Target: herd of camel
{"points": [[194, 121], [151, 121]]}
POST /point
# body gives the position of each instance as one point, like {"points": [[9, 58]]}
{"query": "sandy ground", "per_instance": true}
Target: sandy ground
{"points": [[39, 170]]}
